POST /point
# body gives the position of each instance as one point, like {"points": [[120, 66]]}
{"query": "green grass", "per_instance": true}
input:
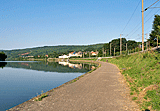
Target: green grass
{"points": [[41, 96], [94, 59], [134, 98], [142, 72], [74, 80]]}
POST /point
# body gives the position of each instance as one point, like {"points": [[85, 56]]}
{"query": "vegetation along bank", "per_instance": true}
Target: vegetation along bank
{"points": [[2, 56]]}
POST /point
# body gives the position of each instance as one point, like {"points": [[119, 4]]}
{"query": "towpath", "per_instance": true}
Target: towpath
{"points": [[102, 90]]}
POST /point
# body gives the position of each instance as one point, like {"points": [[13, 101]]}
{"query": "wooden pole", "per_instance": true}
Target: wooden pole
{"points": [[103, 51], [142, 27], [120, 45], [149, 45], [157, 41], [126, 46], [110, 49], [114, 51], [83, 54]]}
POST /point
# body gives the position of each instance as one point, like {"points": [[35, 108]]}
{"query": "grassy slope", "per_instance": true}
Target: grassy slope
{"points": [[142, 73]]}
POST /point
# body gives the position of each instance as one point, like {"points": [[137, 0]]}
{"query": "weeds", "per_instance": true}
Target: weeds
{"points": [[134, 98], [41, 96]]}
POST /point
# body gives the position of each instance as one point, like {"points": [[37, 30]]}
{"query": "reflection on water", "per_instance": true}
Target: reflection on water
{"points": [[64, 67], [20, 81], [3, 64], [78, 65]]}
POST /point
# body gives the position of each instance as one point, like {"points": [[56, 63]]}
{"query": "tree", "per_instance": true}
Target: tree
{"points": [[3, 64], [90, 49], [2, 56], [100, 53], [132, 44], [155, 31]]}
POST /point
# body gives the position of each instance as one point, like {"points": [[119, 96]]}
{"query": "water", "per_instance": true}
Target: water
{"points": [[21, 81]]}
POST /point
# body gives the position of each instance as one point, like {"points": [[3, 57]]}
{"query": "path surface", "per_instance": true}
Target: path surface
{"points": [[102, 90]]}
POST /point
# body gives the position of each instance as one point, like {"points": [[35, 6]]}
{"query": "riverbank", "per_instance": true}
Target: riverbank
{"points": [[102, 89]]}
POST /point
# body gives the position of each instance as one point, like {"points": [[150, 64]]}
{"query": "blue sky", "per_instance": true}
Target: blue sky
{"points": [[34, 23]]}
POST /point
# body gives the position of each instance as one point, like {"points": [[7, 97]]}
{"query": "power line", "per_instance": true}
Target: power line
{"points": [[140, 26], [131, 16], [150, 6], [141, 21], [151, 16], [151, 10]]}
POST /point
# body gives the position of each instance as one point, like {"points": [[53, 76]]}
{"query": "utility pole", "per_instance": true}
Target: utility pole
{"points": [[114, 51], [147, 42], [103, 51], [157, 41], [120, 44], [83, 54], [110, 49], [142, 27], [126, 46], [96, 53]]}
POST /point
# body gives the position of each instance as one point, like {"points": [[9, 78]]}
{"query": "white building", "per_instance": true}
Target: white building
{"points": [[64, 57]]}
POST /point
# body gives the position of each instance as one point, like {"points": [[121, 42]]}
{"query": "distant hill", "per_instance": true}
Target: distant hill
{"points": [[55, 50]]}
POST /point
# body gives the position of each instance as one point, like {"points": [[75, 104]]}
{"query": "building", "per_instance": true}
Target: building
{"points": [[94, 53], [74, 54], [63, 57]]}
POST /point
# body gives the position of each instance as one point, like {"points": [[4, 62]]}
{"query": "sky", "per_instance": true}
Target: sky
{"points": [[36, 23]]}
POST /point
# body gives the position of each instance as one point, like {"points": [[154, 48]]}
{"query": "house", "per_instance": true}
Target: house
{"points": [[74, 54], [94, 53], [63, 56]]}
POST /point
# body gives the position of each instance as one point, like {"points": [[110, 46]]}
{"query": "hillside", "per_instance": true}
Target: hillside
{"points": [[52, 50]]}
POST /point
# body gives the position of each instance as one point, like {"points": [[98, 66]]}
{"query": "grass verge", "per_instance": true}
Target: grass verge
{"points": [[142, 73]]}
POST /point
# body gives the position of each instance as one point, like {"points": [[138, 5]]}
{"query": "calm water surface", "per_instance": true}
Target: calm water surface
{"points": [[21, 81]]}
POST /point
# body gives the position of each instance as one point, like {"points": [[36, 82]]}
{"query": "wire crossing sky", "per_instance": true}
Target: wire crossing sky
{"points": [[35, 23]]}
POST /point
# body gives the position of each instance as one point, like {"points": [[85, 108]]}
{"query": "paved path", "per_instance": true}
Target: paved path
{"points": [[101, 90]]}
